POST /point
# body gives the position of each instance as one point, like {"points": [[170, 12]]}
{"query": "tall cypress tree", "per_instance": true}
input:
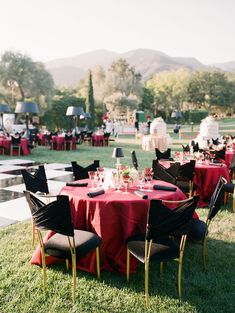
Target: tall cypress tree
{"points": [[90, 102]]}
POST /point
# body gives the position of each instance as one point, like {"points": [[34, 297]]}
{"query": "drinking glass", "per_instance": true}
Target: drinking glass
{"points": [[212, 155], [116, 182], [100, 171], [148, 175], [92, 175], [126, 180]]}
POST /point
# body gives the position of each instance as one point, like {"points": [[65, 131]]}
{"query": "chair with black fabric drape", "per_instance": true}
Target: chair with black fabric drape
{"points": [[156, 246], [34, 183], [68, 142], [67, 243], [220, 154], [199, 229], [106, 138], [15, 145], [161, 173], [196, 147], [80, 172], [186, 148], [134, 159], [37, 181], [229, 188], [163, 154], [186, 176]]}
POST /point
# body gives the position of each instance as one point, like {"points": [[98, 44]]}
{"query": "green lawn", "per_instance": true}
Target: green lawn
{"points": [[203, 291]]}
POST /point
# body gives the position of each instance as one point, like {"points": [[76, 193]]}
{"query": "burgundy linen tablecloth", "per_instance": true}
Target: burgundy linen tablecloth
{"points": [[114, 217], [206, 178], [228, 157], [97, 140], [23, 142]]}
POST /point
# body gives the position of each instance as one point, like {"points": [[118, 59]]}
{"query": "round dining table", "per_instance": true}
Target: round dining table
{"points": [[24, 143], [114, 216]]}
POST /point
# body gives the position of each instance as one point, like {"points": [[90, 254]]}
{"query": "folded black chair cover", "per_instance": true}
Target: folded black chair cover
{"points": [[160, 172], [134, 160], [215, 141], [186, 148], [37, 181], [163, 155], [220, 154], [196, 147], [80, 172]]}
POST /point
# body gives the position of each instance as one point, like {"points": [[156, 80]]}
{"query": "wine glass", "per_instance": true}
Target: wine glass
{"points": [[92, 175], [212, 154], [126, 180], [148, 175], [100, 171], [116, 182]]}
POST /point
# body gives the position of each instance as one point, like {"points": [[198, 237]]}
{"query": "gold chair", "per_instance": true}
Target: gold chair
{"points": [[156, 245], [199, 229], [67, 243]]}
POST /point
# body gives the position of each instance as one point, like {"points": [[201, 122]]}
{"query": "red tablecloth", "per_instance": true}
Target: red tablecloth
{"points": [[7, 145], [206, 178], [114, 217], [97, 140], [228, 157], [59, 142]]}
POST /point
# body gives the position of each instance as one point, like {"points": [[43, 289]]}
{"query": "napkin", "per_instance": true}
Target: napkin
{"points": [[95, 193], [167, 188], [140, 194], [216, 164], [72, 184]]}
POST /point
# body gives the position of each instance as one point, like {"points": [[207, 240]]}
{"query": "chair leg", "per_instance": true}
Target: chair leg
{"points": [[161, 268], [204, 252], [146, 274], [97, 262], [128, 266], [33, 233], [179, 279], [67, 264], [74, 274], [43, 269]]}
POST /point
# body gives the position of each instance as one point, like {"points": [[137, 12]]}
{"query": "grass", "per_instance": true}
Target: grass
{"points": [[203, 291]]}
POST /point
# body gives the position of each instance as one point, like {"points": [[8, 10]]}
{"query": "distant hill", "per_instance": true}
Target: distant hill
{"points": [[69, 71], [227, 66]]}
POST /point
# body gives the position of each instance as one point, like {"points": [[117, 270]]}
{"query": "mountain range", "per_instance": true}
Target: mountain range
{"points": [[69, 71]]}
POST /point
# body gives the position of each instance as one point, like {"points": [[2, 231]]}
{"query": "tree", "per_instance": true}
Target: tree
{"points": [[170, 90], [208, 88], [22, 78], [90, 102], [55, 116], [122, 78], [147, 100]]}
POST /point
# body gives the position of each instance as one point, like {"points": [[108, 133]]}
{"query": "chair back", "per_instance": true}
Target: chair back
{"points": [[134, 160], [187, 170], [55, 216], [160, 172], [68, 137], [196, 147], [215, 141], [37, 181], [163, 155], [216, 199], [80, 172], [163, 221], [220, 154], [15, 140], [173, 170], [186, 148], [232, 164]]}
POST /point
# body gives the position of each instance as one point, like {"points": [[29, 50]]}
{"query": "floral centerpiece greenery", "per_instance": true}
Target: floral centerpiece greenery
{"points": [[128, 172]]}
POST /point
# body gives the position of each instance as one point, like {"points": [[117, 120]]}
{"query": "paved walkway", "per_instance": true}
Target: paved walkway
{"points": [[13, 206]]}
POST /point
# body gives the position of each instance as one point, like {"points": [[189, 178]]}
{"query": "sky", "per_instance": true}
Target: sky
{"points": [[50, 29]]}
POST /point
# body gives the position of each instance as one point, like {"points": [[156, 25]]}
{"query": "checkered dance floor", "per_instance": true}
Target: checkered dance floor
{"points": [[13, 206]]}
